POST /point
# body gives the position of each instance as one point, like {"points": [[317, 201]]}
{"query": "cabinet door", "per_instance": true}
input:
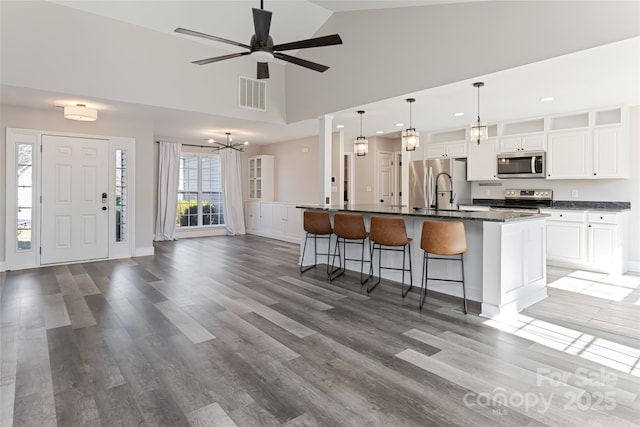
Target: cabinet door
{"points": [[568, 155], [293, 223], [607, 155], [252, 218], [436, 151], [482, 160], [510, 145], [457, 149], [533, 143], [602, 243], [565, 241]]}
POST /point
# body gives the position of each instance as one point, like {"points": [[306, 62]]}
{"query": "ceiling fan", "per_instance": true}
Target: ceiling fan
{"points": [[262, 48]]}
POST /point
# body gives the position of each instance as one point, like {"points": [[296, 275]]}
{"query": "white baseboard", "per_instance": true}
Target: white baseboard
{"points": [[634, 266], [1, 266], [148, 251]]}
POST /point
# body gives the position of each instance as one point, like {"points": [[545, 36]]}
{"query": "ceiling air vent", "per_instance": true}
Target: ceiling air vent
{"points": [[252, 94]]}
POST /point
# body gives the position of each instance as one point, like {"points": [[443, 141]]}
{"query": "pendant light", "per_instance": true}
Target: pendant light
{"points": [[360, 144], [410, 137], [478, 131]]}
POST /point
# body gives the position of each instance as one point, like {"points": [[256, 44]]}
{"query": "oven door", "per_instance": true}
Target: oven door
{"points": [[521, 165]]}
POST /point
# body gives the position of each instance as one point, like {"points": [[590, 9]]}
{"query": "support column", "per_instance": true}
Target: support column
{"points": [[324, 159]]}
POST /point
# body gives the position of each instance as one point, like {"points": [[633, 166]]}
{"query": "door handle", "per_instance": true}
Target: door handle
{"points": [[104, 198], [104, 208]]}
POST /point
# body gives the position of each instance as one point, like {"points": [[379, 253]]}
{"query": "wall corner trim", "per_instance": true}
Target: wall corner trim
{"points": [[148, 251]]}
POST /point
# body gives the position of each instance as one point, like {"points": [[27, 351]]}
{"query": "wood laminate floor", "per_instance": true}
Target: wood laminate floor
{"points": [[225, 332]]}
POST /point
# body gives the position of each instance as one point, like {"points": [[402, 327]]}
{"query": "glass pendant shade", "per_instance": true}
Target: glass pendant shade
{"points": [[478, 132], [361, 146], [410, 139]]}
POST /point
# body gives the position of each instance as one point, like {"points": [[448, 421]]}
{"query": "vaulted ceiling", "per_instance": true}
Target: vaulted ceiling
{"points": [[125, 59]]}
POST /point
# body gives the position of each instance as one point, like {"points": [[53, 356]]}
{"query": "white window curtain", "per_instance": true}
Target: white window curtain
{"points": [[232, 191], [168, 181]]}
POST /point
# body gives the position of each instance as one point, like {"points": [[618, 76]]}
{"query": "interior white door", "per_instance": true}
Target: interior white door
{"points": [[75, 219], [385, 178]]}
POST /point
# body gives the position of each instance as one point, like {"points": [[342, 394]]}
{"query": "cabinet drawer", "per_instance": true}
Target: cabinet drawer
{"points": [[573, 216], [603, 217]]}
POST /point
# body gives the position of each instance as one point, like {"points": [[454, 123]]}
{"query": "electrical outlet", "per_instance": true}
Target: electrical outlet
{"points": [[574, 193]]}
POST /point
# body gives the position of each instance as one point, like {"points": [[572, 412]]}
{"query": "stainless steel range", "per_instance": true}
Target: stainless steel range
{"points": [[525, 200]]}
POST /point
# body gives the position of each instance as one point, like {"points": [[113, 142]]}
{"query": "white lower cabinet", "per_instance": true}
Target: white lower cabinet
{"points": [[594, 241], [281, 221], [482, 160]]}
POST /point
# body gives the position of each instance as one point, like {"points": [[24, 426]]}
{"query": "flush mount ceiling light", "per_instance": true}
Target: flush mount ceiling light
{"points": [[546, 99], [360, 144], [410, 137], [80, 112], [478, 131]]}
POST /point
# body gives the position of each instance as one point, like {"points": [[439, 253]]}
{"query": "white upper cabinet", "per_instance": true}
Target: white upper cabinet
{"points": [[261, 178], [527, 135], [447, 144], [588, 146], [482, 160]]}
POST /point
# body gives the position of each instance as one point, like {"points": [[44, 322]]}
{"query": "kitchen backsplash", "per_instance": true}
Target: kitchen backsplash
{"points": [[613, 190]]}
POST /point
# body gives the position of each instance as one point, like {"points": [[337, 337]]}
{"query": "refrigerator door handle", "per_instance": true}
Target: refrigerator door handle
{"points": [[429, 189]]}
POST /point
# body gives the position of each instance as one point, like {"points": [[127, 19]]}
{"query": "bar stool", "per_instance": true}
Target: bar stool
{"points": [[389, 234], [446, 239], [317, 225], [350, 228]]}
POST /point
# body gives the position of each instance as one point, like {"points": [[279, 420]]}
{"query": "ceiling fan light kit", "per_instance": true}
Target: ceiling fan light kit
{"points": [[478, 131], [410, 137], [360, 144], [261, 46], [80, 112]]}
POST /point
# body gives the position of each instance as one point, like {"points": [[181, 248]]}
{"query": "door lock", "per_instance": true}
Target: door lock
{"points": [[104, 208], [104, 198]]}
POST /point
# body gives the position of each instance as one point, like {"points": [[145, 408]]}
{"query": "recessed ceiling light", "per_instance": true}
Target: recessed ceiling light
{"points": [[379, 132], [246, 143], [399, 124], [458, 114], [211, 140], [339, 126], [546, 99]]}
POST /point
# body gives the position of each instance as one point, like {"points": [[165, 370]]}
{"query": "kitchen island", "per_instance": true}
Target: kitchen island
{"points": [[505, 265]]}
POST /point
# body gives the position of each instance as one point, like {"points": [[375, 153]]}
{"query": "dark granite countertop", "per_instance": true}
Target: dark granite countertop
{"points": [[564, 204], [427, 213]]}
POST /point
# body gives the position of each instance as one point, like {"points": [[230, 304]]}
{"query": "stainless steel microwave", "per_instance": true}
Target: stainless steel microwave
{"points": [[521, 165]]}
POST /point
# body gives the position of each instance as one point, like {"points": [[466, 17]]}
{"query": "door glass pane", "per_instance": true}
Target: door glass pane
{"points": [[24, 196], [121, 196]]}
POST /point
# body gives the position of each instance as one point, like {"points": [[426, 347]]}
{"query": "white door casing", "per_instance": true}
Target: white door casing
{"points": [[385, 177], [75, 217]]}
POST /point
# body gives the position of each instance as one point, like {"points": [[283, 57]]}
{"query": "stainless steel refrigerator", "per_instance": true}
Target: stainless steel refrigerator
{"points": [[451, 175]]}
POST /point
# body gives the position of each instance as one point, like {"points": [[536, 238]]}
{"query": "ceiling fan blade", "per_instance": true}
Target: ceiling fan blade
{"points": [[302, 62], [207, 36], [261, 23], [220, 58], [263, 70], [331, 40]]}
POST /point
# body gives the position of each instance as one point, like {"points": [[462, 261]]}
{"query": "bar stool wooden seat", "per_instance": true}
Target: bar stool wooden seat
{"points": [[389, 234], [351, 230], [446, 239], [316, 224]]}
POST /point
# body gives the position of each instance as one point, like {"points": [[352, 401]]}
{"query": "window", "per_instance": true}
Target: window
{"points": [[121, 195], [24, 196], [199, 191]]}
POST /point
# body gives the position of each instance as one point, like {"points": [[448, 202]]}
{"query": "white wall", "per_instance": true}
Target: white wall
{"points": [[52, 120], [403, 50]]}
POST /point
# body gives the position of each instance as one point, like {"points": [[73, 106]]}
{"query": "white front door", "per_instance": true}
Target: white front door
{"points": [[75, 219], [385, 176]]}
